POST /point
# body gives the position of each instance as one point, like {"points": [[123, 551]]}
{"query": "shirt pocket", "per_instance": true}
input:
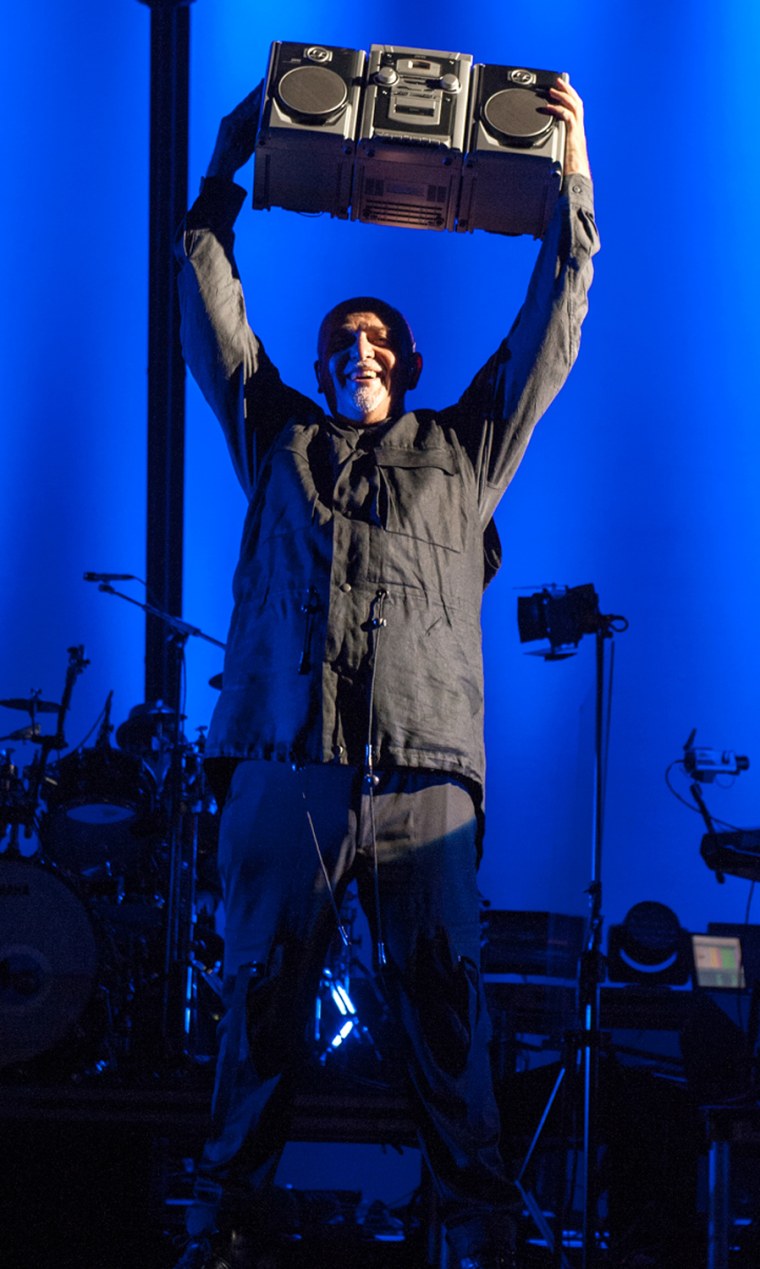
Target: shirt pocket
{"points": [[421, 496]]}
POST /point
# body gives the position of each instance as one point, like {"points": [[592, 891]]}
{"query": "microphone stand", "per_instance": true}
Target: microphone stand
{"points": [[176, 623], [178, 992]]}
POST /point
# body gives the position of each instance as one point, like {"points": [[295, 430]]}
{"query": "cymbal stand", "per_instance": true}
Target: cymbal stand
{"points": [[180, 899]]}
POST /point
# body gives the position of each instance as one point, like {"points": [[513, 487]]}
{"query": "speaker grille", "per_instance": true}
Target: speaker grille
{"points": [[515, 114], [312, 94], [402, 214]]}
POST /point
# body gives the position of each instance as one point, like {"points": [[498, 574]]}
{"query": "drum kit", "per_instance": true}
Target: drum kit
{"points": [[109, 902]]}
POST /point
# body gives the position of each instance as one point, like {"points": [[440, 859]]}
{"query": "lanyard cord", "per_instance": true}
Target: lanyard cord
{"points": [[377, 623]]}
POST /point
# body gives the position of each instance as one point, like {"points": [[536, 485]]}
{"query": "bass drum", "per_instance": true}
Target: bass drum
{"points": [[48, 960], [101, 812]]}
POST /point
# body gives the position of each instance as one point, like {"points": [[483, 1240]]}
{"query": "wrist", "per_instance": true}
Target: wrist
{"points": [[577, 164], [218, 170]]}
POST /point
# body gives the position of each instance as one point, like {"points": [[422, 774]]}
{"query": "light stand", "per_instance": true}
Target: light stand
{"points": [[562, 616]]}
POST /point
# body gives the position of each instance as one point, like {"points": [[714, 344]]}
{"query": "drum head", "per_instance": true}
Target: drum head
{"points": [[100, 812], [48, 960]]}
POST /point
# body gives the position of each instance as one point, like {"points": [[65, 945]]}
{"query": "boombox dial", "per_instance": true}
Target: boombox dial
{"points": [[449, 83], [386, 76]]}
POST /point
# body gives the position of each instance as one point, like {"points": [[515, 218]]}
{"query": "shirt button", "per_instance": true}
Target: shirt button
{"points": [[346, 587], [577, 189]]}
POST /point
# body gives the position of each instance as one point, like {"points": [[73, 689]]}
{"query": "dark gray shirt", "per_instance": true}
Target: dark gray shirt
{"points": [[359, 584]]}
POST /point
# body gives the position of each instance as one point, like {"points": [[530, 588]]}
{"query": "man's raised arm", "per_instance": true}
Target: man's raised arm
{"points": [[497, 413], [220, 349]]}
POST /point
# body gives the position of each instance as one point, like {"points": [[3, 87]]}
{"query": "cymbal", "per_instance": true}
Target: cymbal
{"points": [[23, 733], [31, 704], [35, 737]]}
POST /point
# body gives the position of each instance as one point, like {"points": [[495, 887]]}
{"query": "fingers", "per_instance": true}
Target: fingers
{"points": [[248, 109], [236, 138], [565, 103], [246, 112]]}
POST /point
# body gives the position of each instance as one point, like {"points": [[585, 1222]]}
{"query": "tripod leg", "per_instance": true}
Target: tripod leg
{"points": [[529, 1199]]}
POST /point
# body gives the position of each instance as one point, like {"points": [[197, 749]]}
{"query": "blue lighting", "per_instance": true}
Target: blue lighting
{"points": [[642, 478]]}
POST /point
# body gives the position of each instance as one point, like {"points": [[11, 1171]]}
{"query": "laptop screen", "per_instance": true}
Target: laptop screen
{"points": [[718, 961]]}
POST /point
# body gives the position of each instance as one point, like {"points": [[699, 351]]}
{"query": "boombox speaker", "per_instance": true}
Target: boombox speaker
{"points": [[305, 143], [512, 174], [411, 137]]}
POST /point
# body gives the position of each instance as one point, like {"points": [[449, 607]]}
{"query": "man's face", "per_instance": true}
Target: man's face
{"points": [[361, 369]]}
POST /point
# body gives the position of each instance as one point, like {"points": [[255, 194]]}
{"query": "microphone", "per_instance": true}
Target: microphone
{"points": [[110, 577]]}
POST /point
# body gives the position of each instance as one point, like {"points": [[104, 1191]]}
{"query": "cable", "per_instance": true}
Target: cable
{"points": [[750, 897], [377, 623], [692, 806]]}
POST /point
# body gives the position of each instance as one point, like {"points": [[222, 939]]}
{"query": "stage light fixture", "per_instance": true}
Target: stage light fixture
{"points": [[649, 946], [558, 616]]}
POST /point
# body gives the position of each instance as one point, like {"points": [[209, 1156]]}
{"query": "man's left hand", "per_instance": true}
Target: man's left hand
{"points": [[564, 103]]}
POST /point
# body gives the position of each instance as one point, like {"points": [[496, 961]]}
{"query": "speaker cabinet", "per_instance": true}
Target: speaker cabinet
{"points": [[512, 174], [306, 138], [411, 137]]}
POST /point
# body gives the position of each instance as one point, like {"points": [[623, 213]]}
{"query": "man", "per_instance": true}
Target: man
{"points": [[349, 732]]}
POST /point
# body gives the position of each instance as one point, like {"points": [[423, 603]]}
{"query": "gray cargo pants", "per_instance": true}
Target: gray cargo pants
{"points": [[279, 923]]}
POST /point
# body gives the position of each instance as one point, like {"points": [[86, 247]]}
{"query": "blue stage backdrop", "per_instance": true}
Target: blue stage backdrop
{"points": [[642, 479]]}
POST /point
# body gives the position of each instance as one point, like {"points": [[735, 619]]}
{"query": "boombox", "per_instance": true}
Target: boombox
{"points": [[411, 137]]}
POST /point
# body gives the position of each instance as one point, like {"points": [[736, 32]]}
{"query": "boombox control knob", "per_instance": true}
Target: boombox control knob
{"points": [[385, 76], [450, 83], [318, 54], [525, 78]]}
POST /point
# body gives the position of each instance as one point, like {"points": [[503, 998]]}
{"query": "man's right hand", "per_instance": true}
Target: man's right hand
{"points": [[236, 137]]}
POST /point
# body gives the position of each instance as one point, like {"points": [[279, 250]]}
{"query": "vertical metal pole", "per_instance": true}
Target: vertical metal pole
{"points": [[718, 1222], [591, 975], [169, 79]]}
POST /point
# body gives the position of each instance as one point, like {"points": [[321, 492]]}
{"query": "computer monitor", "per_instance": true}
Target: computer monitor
{"points": [[718, 961]]}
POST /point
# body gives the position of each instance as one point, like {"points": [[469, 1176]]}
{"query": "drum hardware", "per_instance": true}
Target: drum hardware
{"points": [[19, 804], [147, 728], [104, 731], [18, 810], [178, 1004], [101, 806], [112, 822]]}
